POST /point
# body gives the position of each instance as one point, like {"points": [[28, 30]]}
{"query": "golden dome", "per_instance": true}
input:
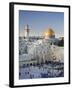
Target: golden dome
{"points": [[49, 33]]}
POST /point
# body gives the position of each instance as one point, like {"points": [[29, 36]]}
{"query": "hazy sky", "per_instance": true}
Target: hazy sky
{"points": [[39, 21]]}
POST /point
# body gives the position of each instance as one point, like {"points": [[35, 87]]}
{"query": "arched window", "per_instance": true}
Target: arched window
{"points": [[30, 64]]}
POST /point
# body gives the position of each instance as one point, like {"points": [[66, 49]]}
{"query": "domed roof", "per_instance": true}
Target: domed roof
{"points": [[49, 33]]}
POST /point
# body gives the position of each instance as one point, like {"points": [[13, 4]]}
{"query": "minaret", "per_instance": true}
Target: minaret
{"points": [[27, 31]]}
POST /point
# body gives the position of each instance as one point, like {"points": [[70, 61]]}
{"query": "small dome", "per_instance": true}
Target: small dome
{"points": [[49, 33]]}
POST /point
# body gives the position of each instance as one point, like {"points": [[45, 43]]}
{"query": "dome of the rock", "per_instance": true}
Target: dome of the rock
{"points": [[49, 33]]}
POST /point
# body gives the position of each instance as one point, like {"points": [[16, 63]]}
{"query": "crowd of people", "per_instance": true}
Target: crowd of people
{"points": [[50, 70]]}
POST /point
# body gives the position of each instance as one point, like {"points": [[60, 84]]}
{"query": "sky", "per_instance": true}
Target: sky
{"points": [[39, 21]]}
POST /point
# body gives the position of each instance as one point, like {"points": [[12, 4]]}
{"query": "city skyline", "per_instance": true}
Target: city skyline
{"points": [[39, 21]]}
